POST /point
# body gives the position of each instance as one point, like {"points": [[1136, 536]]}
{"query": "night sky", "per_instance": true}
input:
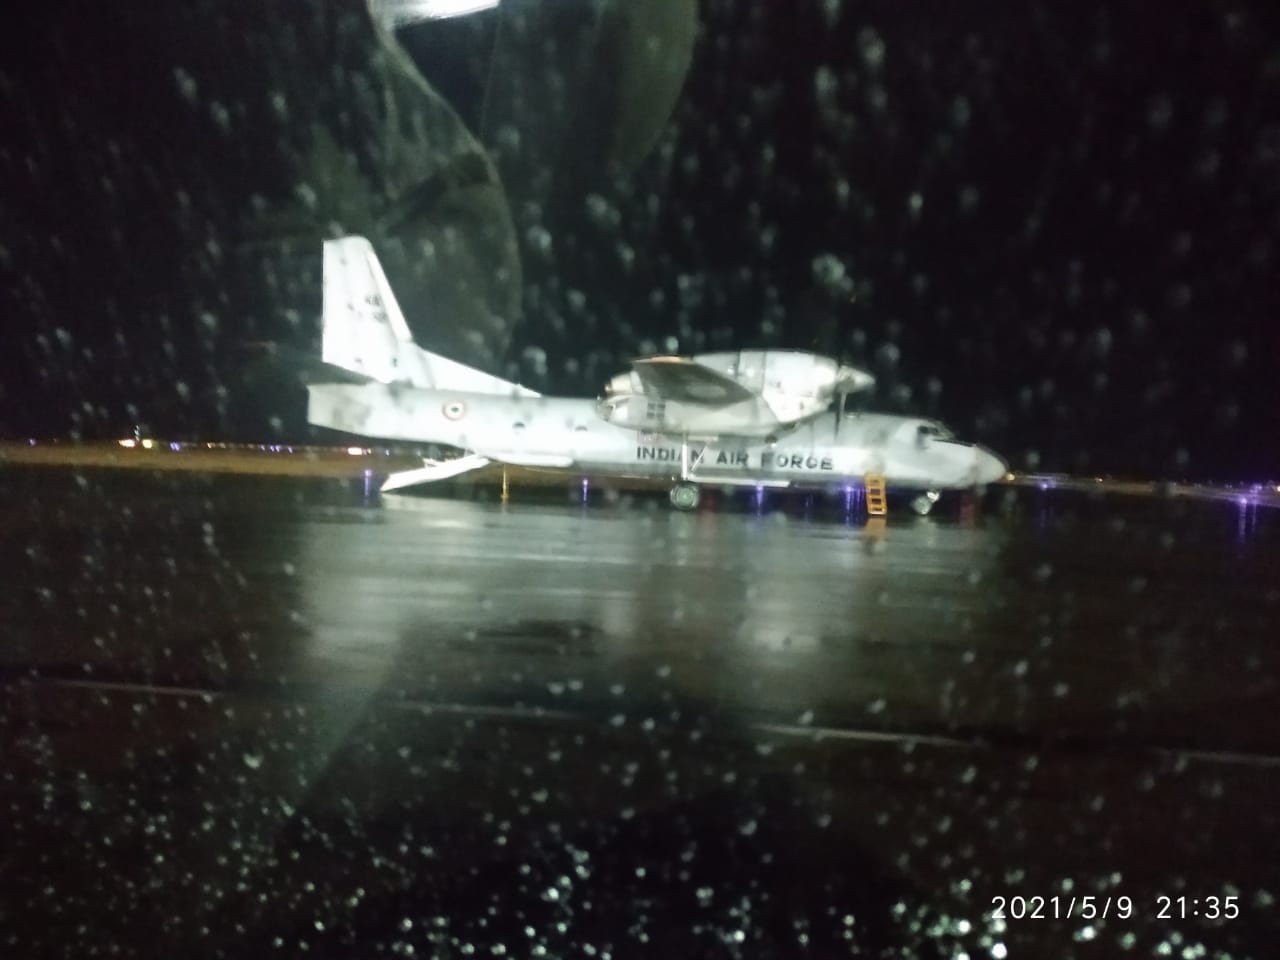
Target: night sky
{"points": [[1052, 225]]}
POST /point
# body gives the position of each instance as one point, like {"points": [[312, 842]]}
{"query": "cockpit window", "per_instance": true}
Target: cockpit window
{"points": [[932, 431]]}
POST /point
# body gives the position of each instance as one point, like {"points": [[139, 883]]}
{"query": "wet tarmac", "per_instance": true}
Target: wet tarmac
{"points": [[246, 716]]}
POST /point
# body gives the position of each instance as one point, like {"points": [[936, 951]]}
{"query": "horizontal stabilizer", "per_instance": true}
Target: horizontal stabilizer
{"points": [[432, 471]]}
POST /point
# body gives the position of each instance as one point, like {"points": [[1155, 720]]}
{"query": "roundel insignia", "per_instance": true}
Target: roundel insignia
{"points": [[455, 409]]}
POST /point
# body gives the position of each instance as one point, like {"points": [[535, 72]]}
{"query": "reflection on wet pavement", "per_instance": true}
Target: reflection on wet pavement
{"points": [[256, 712]]}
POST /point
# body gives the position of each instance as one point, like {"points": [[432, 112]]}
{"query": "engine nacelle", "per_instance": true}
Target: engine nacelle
{"points": [[794, 385], [785, 387]]}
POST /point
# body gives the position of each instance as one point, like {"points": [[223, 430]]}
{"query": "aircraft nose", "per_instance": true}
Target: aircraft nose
{"points": [[988, 468]]}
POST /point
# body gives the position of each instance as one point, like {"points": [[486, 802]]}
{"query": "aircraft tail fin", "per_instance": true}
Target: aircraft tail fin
{"points": [[365, 331]]}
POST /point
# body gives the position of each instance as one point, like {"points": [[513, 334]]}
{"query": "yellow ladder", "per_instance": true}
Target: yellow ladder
{"points": [[876, 504]]}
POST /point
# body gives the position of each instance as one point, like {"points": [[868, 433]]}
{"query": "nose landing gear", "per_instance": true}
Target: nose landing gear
{"points": [[924, 503]]}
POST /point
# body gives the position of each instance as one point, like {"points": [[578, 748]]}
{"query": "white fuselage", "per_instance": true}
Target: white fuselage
{"points": [[568, 433]]}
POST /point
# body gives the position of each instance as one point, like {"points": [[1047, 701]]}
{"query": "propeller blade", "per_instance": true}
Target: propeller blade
{"points": [[852, 380]]}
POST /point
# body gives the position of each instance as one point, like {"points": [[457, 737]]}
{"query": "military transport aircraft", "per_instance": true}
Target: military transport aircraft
{"points": [[760, 418]]}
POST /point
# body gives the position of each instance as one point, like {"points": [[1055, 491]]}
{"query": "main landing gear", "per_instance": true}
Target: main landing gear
{"points": [[685, 495]]}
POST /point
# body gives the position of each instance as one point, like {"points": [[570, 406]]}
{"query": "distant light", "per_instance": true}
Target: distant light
{"points": [[148, 444], [174, 446], [128, 442], [355, 451]]}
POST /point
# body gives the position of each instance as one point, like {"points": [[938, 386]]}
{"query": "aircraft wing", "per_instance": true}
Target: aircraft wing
{"points": [[687, 381]]}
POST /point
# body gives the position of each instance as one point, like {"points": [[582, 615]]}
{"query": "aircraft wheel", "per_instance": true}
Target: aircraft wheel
{"points": [[924, 503], [685, 496]]}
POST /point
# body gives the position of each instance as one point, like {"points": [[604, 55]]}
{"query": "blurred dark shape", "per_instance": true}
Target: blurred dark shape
{"points": [[567, 95], [588, 86], [390, 159], [169, 177]]}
